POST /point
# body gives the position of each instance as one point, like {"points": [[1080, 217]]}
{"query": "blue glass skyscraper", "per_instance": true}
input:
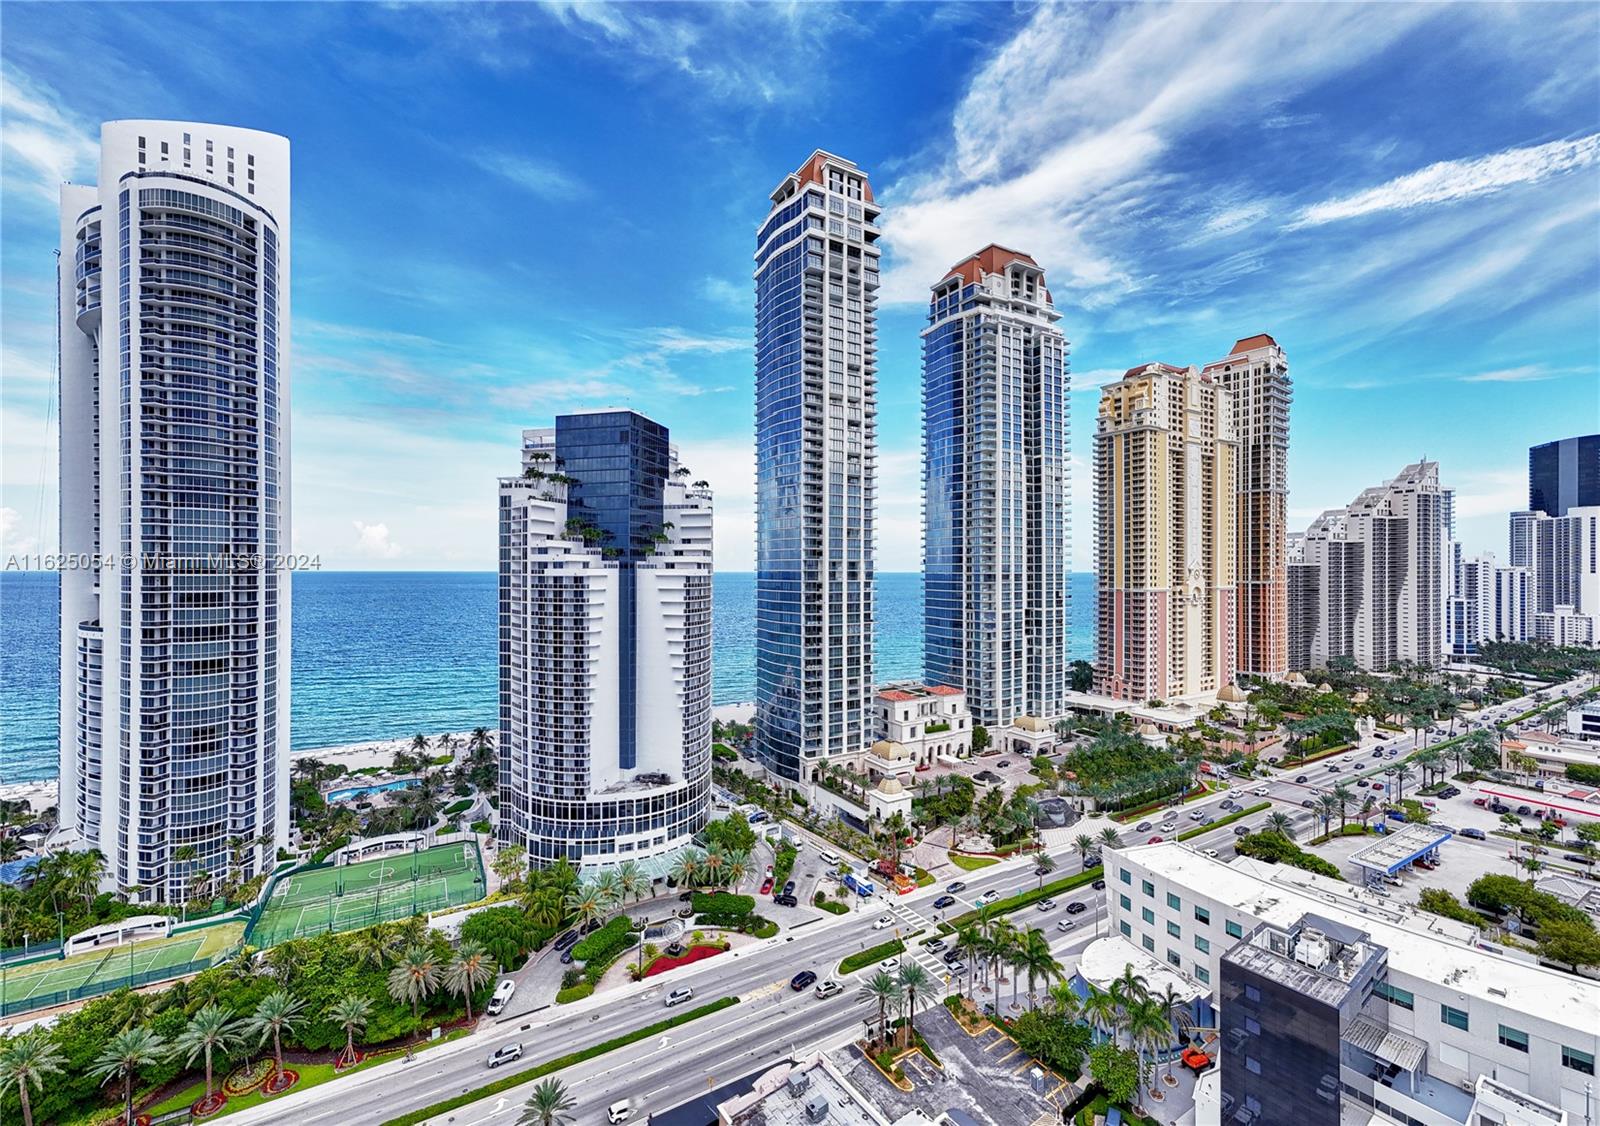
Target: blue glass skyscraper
{"points": [[816, 449], [996, 488]]}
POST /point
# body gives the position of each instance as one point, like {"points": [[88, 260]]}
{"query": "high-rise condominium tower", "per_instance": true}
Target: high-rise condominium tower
{"points": [[1377, 584], [995, 438], [175, 473], [1164, 535], [1256, 375], [816, 448], [605, 645], [1564, 474]]}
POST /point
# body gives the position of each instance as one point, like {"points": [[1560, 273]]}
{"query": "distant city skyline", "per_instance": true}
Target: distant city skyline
{"points": [[1432, 275]]}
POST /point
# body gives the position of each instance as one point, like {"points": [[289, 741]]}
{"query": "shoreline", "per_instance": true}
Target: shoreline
{"points": [[42, 793]]}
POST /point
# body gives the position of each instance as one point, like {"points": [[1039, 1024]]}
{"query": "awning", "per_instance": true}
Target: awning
{"points": [[1406, 1052]]}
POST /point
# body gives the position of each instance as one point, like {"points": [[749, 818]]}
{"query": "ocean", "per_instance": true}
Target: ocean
{"points": [[379, 655]]}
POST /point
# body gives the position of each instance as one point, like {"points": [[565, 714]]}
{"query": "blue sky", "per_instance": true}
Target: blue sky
{"points": [[502, 213]]}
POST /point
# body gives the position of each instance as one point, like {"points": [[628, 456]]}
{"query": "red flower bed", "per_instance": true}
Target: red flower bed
{"points": [[279, 1082], [344, 1063], [695, 954], [205, 1108]]}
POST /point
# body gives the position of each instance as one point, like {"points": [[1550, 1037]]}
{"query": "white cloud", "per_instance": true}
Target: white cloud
{"points": [[1231, 219], [51, 142], [1059, 140], [538, 177], [1450, 180], [1094, 380], [724, 292], [12, 539], [1527, 373], [372, 540]]}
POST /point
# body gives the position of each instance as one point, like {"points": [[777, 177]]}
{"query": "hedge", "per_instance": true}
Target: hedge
{"points": [[873, 954], [831, 906], [606, 942], [1023, 899], [722, 903], [1221, 821], [574, 992], [412, 1118]]}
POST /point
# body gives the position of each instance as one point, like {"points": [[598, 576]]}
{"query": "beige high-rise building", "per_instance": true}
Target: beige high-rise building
{"points": [[1256, 375], [1165, 481]]}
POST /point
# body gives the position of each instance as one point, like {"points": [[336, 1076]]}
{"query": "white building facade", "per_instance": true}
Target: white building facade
{"points": [[1478, 1008], [1470, 612], [175, 498], [605, 645], [1513, 603]]}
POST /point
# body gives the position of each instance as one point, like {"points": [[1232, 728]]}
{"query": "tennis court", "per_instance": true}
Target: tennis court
{"points": [[348, 897], [54, 981]]}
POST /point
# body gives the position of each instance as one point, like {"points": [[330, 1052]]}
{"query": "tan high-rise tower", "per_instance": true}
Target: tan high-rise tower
{"points": [[1164, 530], [1255, 373]]}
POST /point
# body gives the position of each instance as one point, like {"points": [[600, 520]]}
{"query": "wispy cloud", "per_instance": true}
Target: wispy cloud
{"points": [[50, 141], [543, 179], [1451, 180], [1528, 373]]}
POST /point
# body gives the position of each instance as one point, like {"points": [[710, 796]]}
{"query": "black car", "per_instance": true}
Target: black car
{"points": [[1099, 885], [959, 885], [1475, 834], [944, 901], [1524, 810], [566, 940], [1308, 803], [788, 888], [1042, 870], [1239, 830], [1300, 778], [802, 981], [686, 897], [1076, 908], [952, 956], [566, 957], [786, 900]]}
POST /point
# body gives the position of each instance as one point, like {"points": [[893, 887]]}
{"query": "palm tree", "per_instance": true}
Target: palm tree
{"points": [[469, 970], [1065, 1004], [884, 989], [374, 946], [209, 1031], [586, 904], [414, 978], [1110, 838], [969, 941], [711, 868], [1179, 1015], [548, 1105], [27, 1059], [687, 867], [122, 1058], [1343, 795], [1148, 1029], [544, 907], [1101, 1010], [1045, 865], [1280, 823], [1083, 842], [914, 980], [1327, 804], [609, 887], [632, 880], [278, 1012], [737, 868], [350, 1013], [1037, 961]]}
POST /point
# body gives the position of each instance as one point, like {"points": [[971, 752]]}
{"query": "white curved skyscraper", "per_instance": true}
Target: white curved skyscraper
{"points": [[174, 326]]}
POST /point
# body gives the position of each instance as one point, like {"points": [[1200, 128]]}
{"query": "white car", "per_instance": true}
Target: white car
{"points": [[619, 1111], [505, 1054], [1169, 826], [987, 898], [828, 988], [679, 996], [890, 965], [883, 922], [1047, 905], [1065, 925], [1211, 852], [1259, 791]]}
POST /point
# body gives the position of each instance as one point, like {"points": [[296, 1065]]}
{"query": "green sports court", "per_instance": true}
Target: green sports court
{"points": [[346, 897], [50, 981]]}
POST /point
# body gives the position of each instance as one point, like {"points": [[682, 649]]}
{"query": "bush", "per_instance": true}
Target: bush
{"points": [[1583, 773], [607, 942], [1502, 894], [1053, 1042], [723, 903], [506, 932], [574, 993], [831, 906], [871, 955], [762, 928], [481, 827], [1441, 902], [1275, 848]]}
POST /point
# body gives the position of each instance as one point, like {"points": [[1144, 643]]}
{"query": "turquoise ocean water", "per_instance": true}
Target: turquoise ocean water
{"points": [[378, 655]]}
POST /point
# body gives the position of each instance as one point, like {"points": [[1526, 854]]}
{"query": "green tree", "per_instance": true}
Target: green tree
{"points": [[414, 979], [1569, 943], [27, 1060], [351, 1013], [980, 738], [469, 970], [510, 864], [548, 1105], [210, 1032], [915, 982], [1279, 822], [279, 1012], [1037, 962], [1109, 837], [1116, 1070], [123, 1057], [882, 989]]}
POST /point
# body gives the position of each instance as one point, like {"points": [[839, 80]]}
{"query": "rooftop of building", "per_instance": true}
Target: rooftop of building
{"points": [[1316, 957], [903, 691], [780, 1097], [1420, 944], [992, 259], [811, 172]]}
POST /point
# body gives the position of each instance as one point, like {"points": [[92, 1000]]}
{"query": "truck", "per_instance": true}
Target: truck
{"points": [[858, 881]]}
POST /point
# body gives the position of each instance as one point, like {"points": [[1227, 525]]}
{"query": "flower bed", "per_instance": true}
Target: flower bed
{"points": [[279, 1082], [205, 1108], [246, 1078], [344, 1063], [694, 954]]}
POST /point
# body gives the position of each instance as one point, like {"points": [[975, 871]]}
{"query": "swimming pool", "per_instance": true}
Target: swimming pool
{"points": [[362, 791]]}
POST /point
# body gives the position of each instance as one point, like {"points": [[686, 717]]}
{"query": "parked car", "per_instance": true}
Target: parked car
{"points": [[766, 886], [1524, 810], [502, 994], [957, 968], [936, 946], [1480, 802], [1377, 785], [951, 956], [1076, 907], [1004, 762], [678, 996], [828, 989], [787, 901], [802, 981], [505, 1053]]}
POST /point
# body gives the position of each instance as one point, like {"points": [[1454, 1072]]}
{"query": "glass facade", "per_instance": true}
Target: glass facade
{"points": [[996, 493], [1564, 475], [1279, 1045], [816, 447]]}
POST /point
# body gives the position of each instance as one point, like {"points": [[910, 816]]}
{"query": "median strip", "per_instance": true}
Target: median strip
{"points": [[1022, 899], [873, 954], [538, 1072]]}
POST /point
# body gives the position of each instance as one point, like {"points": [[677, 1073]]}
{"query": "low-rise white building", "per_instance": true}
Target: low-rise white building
{"points": [[1563, 625], [1454, 1007], [1583, 720], [916, 724], [1551, 755]]}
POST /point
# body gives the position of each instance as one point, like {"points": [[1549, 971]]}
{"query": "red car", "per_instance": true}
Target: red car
{"points": [[1154, 840], [1480, 801], [1377, 785], [766, 886]]}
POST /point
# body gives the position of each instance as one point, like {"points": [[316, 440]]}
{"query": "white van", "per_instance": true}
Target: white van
{"points": [[619, 1111], [831, 858], [502, 994]]}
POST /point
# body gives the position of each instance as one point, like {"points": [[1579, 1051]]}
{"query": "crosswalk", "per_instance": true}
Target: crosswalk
{"points": [[910, 920]]}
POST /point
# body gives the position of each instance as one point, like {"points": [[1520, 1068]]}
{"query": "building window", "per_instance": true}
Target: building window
{"points": [[1174, 930], [1172, 956], [1455, 1018], [1126, 877], [1201, 915], [1394, 995], [1149, 889], [1202, 944], [1513, 1038], [1234, 929], [1202, 973], [1147, 915], [1174, 902], [1148, 943], [1127, 904], [1576, 1060], [1127, 931]]}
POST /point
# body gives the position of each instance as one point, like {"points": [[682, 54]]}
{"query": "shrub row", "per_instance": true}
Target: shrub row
{"points": [[1025, 898], [604, 943], [1221, 821], [872, 955]]}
